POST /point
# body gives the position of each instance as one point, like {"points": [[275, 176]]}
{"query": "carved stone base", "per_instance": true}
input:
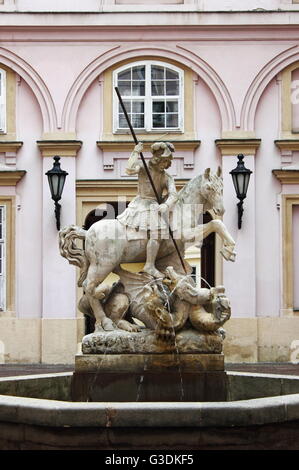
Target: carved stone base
{"points": [[149, 377], [145, 342]]}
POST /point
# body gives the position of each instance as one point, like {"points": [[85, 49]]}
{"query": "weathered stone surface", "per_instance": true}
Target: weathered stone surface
{"points": [[149, 377], [138, 363], [150, 386], [147, 342]]}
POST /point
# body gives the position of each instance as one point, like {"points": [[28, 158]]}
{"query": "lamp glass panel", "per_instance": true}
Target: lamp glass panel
{"points": [[241, 183], [54, 185], [235, 181], [61, 185], [246, 183], [50, 184]]}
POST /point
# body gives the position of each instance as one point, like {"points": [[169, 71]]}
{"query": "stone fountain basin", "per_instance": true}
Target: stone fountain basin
{"points": [[262, 413]]}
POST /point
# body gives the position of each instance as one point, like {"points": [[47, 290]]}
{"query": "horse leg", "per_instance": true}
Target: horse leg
{"points": [[95, 291], [200, 232]]}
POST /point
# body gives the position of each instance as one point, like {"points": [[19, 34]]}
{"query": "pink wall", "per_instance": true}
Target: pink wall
{"points": [[296, 255], [29, 217], [268, 278], [99, 5], [236, 92]]}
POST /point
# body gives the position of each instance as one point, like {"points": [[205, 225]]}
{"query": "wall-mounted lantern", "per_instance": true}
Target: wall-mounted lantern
{"points": [[240, 176], [56, 177]]}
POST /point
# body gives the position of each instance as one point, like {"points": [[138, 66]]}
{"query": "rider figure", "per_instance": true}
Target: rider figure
{"points": [[144, 216]]}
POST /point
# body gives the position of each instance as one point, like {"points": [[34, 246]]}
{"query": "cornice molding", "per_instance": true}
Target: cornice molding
{"points": [[116, 187], [287, 144], [11, 177], [10, 146], [232, 147], [287, 176], [63, 148], [127, 145]]}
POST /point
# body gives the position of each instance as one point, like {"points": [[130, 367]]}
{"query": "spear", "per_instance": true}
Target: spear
{"points": [[148, 173]]}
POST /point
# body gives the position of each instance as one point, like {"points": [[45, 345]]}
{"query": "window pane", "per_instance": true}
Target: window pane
{"points": [[171, 106], [157, 72], [124, 88], [158, 107], [171, 75], [127, 105], [158, 120], [138, 88], [159, 100], [138, 73], [158, 88], [138, 106], [125, 75], [123, 122], [172, 87], [138, 120], [172, 120]]}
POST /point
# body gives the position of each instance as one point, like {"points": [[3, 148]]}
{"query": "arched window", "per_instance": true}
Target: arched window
{"points": [[2, 101], [152, 93]]}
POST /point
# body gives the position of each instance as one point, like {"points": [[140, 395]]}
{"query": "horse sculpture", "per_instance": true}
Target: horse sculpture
{"points": [[107, 244]]}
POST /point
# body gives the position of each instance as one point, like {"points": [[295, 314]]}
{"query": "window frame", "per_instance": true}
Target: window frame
{"points": [[2, 101], [148, 99]]}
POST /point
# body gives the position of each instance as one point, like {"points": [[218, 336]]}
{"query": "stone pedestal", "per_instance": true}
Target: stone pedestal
{"points": [[122, 366], [149, 377], [147, 342]]}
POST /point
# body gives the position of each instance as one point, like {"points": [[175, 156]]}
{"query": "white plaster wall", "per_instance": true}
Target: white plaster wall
{"points": [[89, 159], [28, 218], [57, 5], [238, 5], [239, 277], [59, 277], [98, 5], [267, 215], [45, 282], [208, 128]]}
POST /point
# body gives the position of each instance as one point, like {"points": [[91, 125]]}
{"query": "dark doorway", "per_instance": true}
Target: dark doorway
{"points": [[208, 256], [105, 210]]}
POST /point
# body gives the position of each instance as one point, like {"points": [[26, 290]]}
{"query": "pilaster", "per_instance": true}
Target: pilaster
{"points": [[239, 278], [59, 278]]}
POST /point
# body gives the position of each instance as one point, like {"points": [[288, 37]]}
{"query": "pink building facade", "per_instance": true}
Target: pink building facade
{"points": [[216, 78]]}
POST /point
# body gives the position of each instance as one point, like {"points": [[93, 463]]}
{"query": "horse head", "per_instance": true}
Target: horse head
{"points": [[212, 191]]}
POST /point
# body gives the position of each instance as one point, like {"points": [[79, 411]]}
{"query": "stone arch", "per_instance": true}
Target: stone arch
{"points": [[118, 54], [260, 82], [38, 86]]}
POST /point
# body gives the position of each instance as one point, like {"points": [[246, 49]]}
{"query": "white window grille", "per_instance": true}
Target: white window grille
{"points": [[2, 258], [2, 101], [153, 96]]}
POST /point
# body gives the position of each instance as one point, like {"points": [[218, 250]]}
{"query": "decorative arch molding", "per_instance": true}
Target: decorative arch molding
{"points": [[37, 85], [118, 54], [259, 84]]}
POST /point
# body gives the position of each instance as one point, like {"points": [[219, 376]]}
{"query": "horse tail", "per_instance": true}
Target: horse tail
{"points": [[71, 252]]}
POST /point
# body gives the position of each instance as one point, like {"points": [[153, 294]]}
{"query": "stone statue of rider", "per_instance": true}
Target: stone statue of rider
{"points": [[144, 216]]}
